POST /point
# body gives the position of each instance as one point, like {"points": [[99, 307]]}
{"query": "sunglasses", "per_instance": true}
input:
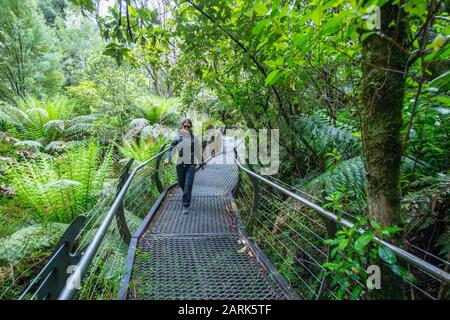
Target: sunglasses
{"points": [[187, 127]]}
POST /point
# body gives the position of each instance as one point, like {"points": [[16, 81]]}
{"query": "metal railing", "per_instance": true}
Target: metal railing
{"points": [[292, 230], [92, 242], [88, 255]]}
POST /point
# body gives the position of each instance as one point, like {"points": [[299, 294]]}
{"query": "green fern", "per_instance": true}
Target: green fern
{"points": [[59, 189], [324, 138], [31, 119], [349, 176], [157, 109], [141, 151], [349, 173]]}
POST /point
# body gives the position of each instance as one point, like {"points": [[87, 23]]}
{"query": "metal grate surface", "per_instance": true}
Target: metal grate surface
{"points": [[200, 268], [208, 215], [215, 180], [199, 255]]}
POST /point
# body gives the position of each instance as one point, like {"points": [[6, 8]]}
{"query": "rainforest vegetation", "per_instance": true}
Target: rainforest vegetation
{"points": [[359, 90]]}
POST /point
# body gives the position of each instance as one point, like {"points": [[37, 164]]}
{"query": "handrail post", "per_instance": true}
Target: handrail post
{"points": [[255, 198], [331, 228], [121, 220], [156, 176]]}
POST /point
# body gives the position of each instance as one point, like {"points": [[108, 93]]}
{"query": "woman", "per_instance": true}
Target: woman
{"points": [[190, 156]]}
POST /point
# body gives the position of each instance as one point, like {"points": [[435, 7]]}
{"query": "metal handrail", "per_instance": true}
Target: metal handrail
{"points": [[91, 250], [416, 261]]}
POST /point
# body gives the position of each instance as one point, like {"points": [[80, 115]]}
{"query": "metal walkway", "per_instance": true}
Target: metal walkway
{"points": [[207, 254], [201, 255]]}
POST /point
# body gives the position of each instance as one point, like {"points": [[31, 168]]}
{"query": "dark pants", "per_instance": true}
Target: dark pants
{"points": [[185, 175]]}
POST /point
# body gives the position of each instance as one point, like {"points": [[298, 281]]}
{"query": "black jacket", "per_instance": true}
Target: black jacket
{"points": [[190, 149]]}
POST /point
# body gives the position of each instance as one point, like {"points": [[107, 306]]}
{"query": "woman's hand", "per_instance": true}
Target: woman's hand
{"points": [[166, 161]]}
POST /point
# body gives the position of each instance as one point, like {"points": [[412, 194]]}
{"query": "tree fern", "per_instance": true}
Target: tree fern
{"points": [[79, 126], [32, 118], [350, 175], [59, 189], [156, 109], [142, 150], [29, 145], [12, 116], [323, 137]]}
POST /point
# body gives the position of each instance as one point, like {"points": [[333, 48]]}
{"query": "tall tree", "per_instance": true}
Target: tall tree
{"points": [[382, 96], [29, 61]]}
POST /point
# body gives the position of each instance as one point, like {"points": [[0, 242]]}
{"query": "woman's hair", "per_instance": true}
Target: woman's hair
{"points": [[186, 121]]}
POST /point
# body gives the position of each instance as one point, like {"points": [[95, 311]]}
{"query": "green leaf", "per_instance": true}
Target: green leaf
{"points": [[387, 255], [403, 273], [443, 99], [272, 77], [374, 224], [331, 266], [275, 7], [300, 39], [260, 9], [317, 15], [259, 27], [366, 35], [343, 244], [389, 231], [364, 240]]}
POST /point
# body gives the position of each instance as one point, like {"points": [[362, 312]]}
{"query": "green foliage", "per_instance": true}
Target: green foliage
{"points": [[44, 120], [29, 62], [86, 95], [158, 110], [30, 239], [346, 179], [78, 40], [57, 190], [352, 251], [53, 9], [142, 150]]}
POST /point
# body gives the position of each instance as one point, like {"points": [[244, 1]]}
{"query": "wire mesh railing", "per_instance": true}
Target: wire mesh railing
{"points": [[291, 227], [88, 262], [102, 281]]}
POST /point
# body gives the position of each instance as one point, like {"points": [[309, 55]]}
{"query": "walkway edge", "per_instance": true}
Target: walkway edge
{"points": [[263, 259], [124, 283]]}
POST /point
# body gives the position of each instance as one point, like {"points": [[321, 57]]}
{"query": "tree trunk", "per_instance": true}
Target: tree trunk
{"points": [[383, 94]]}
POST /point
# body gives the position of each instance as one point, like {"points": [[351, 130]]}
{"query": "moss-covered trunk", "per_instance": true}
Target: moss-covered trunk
{"points": [[383, 93]]}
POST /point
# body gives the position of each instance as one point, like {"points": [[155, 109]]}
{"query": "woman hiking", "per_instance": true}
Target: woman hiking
{"points": [[189, 156]]}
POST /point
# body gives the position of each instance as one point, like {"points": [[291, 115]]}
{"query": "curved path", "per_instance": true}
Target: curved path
{"points": [[202, 255]]}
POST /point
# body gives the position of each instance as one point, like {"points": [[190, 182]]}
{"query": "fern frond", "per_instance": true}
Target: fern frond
{"points": [[324, 137], [29, 145], [349, 173], [58, 190], [141, 151], [54, 126], [56, 146]]}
